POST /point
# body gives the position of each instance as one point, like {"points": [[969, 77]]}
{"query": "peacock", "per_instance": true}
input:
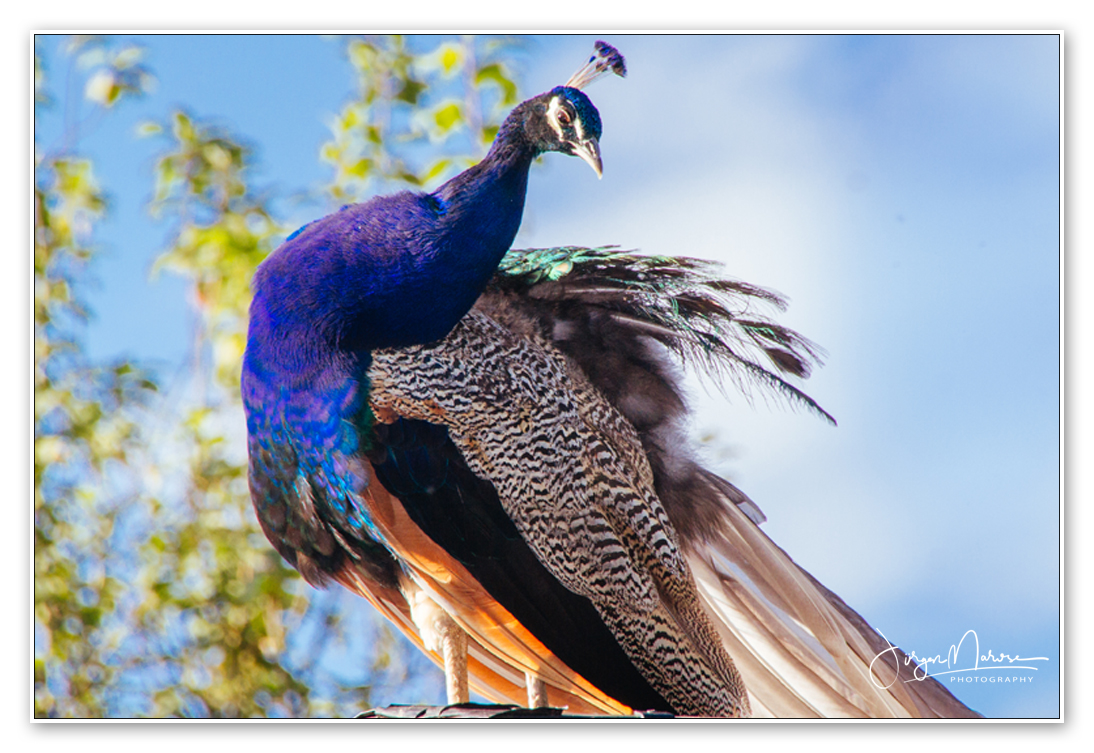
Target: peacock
{"points": [[488, 445]]}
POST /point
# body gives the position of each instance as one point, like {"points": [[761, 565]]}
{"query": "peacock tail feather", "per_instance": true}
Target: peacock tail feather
{"points": [[685, 304]]}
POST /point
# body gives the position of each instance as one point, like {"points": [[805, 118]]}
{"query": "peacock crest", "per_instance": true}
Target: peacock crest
{"points": [[606, 59]]}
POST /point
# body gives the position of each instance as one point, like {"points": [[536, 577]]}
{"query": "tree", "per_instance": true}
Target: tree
{"points": [[85, 427]]}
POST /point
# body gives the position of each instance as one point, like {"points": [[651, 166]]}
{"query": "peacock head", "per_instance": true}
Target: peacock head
{"points": [[564, 119]]}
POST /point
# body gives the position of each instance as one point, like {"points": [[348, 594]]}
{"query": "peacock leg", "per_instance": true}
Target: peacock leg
{"points": [[454, 649], [537, 691], [442, 635]]}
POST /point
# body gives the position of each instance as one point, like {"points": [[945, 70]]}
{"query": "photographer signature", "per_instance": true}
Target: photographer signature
{"points": [[923, 664]]}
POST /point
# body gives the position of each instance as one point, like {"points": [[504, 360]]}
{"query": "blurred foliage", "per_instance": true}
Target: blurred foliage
{"points": [[223, 231], [419, 116], [155, 592], [86, 433]]}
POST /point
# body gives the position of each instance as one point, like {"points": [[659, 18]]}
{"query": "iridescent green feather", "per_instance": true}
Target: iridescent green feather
{"points": [[683, 303]]}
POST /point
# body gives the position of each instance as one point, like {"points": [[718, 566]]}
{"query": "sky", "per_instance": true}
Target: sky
{"points": [[903, 193]]}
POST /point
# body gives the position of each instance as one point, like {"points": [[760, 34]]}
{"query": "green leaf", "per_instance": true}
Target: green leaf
{"points": [[495, 73], [410, 91], [448, 116], [450, 57], [360, 168], [91, 616], [436, 169], [148, 128], [361, 55]]}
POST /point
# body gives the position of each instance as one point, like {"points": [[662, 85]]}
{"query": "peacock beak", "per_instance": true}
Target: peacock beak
{"points": [[589, 150]]}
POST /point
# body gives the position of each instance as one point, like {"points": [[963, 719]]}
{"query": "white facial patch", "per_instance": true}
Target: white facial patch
{"points": [[552, 115]]}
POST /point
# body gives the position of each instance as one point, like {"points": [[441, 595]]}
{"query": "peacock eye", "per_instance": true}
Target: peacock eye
{"points": [[564, 117]]}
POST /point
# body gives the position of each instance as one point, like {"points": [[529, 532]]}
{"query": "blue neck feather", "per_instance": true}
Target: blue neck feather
{"points": [[396, 270]]}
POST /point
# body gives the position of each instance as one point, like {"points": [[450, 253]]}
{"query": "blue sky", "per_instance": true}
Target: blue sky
{"points": [[902, 191]]}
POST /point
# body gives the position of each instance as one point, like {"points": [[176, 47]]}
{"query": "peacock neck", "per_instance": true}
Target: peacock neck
{"points": [[395, 271], [479, 214], [484, 204]]}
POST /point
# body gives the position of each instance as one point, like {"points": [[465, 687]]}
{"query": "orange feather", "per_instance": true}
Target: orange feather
{"points": [[500, 649]]}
